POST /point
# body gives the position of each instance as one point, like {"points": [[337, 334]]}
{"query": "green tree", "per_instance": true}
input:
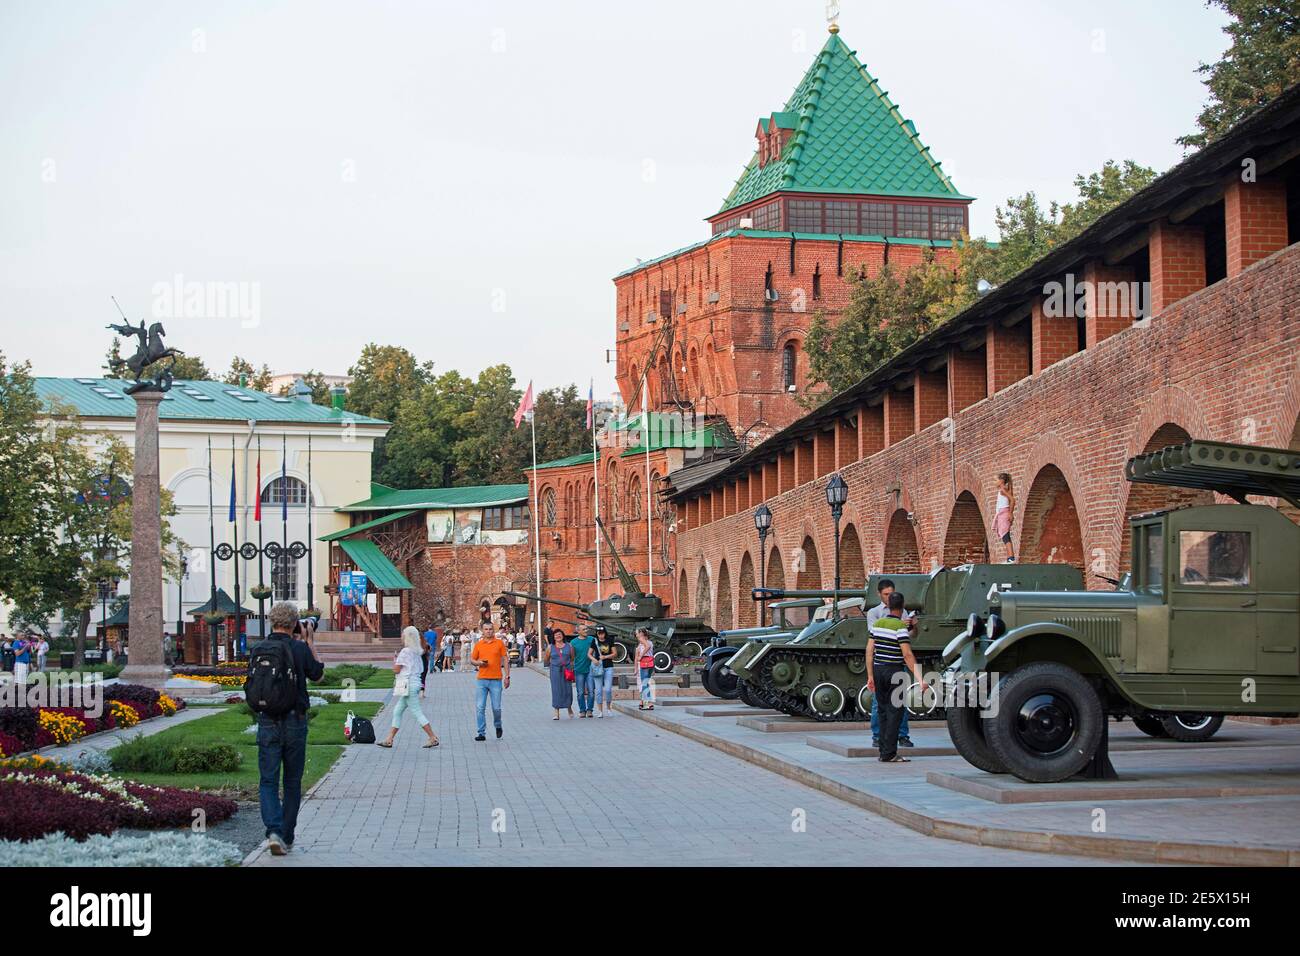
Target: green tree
{"points": [[27, 528], [426, 428], [1101, 192], [257, 379], [382, 379], [1262, 61]]}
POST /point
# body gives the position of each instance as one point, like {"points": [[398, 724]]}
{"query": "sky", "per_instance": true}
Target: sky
{"points": [[287, 181]]}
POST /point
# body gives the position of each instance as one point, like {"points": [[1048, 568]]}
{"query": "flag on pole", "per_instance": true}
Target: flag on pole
{"points": [[232, 487], [525, 405], [591, 390]]}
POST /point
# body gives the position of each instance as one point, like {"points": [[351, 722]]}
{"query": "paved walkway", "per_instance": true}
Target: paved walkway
{"points": [[585, 792]]}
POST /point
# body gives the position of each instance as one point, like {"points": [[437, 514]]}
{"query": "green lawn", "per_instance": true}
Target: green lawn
{"points": [[367, 677], [325, 741]]}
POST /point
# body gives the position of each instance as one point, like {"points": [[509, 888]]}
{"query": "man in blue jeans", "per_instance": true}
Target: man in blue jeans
{"points": [[491, 658], [282, 741], [885, 589]]}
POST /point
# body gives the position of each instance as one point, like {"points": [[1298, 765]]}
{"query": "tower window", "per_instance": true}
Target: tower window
{"points": [[817, 281], [788, 366]]}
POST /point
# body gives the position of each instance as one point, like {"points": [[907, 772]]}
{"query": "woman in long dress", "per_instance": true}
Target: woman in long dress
{"points": [[559, 657]]}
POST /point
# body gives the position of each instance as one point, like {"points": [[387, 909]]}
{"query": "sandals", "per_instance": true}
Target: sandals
{"points": [[386, 744], [898, 758], [431, 743]]}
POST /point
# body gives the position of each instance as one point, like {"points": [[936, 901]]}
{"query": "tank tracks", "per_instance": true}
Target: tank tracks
{"points": [[808, 668]]}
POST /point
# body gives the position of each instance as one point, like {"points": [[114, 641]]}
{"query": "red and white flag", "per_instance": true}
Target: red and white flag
{"points": [[525, 405]]}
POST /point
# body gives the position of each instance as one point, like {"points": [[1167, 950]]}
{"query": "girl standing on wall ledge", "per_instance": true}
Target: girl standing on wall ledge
{"points": [[1006, 507]]}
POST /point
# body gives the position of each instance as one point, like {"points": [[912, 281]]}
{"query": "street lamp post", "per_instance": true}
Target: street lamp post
{"points": [[763, 522], [837, 492], [180, 601]]}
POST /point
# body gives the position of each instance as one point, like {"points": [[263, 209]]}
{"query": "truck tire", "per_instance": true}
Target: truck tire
{"points": [[724, 683], [964, 727], [1150, 725], [1192, 728], [1048, 724]]}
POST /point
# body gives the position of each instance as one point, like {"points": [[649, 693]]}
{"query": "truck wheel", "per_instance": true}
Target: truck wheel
{"points": [[1048, 722], [967, 733], [1149, 725], [1192, 728], [725, 684]]}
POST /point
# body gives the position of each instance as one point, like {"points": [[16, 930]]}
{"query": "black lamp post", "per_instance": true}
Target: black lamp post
{"points": [[763, 522], [180, 602], [837, 492]]}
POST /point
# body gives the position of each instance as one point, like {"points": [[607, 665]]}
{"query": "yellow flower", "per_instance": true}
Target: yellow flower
{"points": [[166, 705], [62, 727], [124, 715]]}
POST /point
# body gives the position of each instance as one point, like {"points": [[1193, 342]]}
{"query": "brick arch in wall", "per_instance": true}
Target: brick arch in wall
{"points": [[1143, 498], [723, 603], [775, 568], [806, 563], [902, 548], [1027, 528], [1292, 442], [853, 566], [1169, 416], [965, 540], [1285, 427], [683, 605], [703, 604], [876, 541], [1052, 532], [746, 581]]}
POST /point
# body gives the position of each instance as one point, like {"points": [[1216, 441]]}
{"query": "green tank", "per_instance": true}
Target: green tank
{"points": [[1207, 625], [821, 672], [623, 614], [787, 618]]}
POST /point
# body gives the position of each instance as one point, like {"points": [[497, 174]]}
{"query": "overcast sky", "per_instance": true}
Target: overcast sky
{"points": [[464, 179]]}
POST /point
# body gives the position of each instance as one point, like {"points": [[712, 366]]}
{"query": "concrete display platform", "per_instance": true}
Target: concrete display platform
{"points": [[1230, 801], [857, 751]]}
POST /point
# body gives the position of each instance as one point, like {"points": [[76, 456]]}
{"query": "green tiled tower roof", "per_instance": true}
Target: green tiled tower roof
{"points": [[848, 137]]}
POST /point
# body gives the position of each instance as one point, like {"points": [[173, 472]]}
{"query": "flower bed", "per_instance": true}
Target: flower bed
{"points": [[229, 674], [125, 705], [50, 798], [152, 849]]}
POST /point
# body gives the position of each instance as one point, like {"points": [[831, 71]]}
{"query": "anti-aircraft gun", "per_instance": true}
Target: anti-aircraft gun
{"points": [[622, 614], [787, 618], [822, 672]]}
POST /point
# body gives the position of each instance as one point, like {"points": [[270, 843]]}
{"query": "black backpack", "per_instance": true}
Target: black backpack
{"points": [[363, 731], [271, 687]]}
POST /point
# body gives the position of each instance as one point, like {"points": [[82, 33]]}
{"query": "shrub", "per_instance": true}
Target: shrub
{"points": [[337, 674], [18, 724], [143, 754], [150, 849], [212, 758]]}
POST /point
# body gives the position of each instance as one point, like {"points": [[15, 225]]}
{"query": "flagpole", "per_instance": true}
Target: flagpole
{"points": [[212, 560], [234, 524], [261, 581], [595, 472], [649, 526], [284, 511], [311, 583], [537, 535]]}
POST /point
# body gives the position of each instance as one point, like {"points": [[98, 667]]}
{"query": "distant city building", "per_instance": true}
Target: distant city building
{"points": [[285, 380]]}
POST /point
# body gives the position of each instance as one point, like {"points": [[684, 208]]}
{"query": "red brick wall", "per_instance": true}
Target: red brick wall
{"points": [[1220, 364], [1254, 221], [1177, 256]]}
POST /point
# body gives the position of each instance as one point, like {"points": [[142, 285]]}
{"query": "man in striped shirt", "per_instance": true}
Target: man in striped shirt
{"points": [[889, 658]]}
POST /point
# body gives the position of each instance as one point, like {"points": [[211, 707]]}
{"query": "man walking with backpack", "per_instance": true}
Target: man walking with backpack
{"points": [[276, 690]]}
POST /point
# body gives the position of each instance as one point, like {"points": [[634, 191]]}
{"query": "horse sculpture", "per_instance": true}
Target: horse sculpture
{"points": [[149, 350]]}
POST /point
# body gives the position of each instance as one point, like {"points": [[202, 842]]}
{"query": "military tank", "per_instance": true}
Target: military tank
{"points": [[821, 673], [788, 619], [622, 614]]}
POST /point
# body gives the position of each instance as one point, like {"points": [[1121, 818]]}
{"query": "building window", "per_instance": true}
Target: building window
{"points": [[805, 215], [817, 282], [948, 222], [634, 497], [877, 219], [842, 217], [285, 491], [548, 507], [913, 221], [284, 578], [768, 217], [788, 357], [506, 519]]}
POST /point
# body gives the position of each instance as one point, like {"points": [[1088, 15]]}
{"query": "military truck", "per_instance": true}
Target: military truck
{"points": [[788, 618], [821, 673], [622, 614], [1207, 625]]}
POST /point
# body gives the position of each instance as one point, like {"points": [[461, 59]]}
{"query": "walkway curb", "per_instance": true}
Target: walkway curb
{"points": [[1040, 841]]}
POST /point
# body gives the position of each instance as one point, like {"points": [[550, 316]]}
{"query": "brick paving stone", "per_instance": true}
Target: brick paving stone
{"points": [[612, 791]]}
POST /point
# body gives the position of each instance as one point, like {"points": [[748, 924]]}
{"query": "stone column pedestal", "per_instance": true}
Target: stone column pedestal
{"points": [[146, 624]]}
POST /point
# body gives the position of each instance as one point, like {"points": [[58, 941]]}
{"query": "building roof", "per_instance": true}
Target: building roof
{"points": [[1268, 134], [849, 137], [225, 605], [367, 525], [380, 572], [477, 496], [190, 401]]}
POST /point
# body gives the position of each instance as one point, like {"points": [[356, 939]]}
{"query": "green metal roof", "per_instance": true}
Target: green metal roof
{"points": [[225, 605], [366, 526], [585, 458], [849, 138], [476, 496], [379, 570], [189, 400]]}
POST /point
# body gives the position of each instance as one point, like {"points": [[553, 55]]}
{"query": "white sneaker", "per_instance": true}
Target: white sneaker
{"points": [[601, 714]]}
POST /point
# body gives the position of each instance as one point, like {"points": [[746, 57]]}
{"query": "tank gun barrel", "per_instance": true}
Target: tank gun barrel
{"points": [[545, 600], [630, 585], [781, 594]]}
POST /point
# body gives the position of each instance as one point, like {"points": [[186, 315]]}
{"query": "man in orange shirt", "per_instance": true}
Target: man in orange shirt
{"points": [[492, 659]]}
